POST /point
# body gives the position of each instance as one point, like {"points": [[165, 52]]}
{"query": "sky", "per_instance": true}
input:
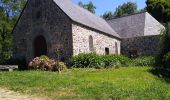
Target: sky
{"points": [[110, 5]]}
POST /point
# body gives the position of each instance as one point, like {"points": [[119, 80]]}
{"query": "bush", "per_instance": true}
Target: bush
{"points": [[167, 59], [93, 60], [86, 60], [60, 66], [161, 58], [44, 57], [44, 63], [143, 61]]}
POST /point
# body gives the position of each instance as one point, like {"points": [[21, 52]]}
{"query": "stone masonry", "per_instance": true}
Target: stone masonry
{"points": [[141, 46], [42, 18], [46, 19], [100, 41]]}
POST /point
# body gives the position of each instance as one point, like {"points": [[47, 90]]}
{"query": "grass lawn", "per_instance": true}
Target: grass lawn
{"points": [[131, 83]]}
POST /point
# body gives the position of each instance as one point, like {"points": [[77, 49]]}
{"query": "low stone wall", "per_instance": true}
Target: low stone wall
{"points": [[140, 46]]}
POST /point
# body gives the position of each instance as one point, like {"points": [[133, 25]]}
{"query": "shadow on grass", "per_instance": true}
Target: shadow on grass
{"points": [[161, 73]]}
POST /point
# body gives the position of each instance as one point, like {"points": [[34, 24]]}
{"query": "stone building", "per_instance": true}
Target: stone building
{"points": [[49, 25], [140, 34]]}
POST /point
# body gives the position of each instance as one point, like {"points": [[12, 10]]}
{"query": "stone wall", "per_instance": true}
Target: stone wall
{"points": [[42, 18], [142, 46], [81, 36]]}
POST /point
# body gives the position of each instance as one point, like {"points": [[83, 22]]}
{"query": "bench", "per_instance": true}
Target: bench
{"points": [[9, 67]]}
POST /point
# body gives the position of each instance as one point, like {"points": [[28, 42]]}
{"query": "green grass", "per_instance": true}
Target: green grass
{"points": [[131, 83]]}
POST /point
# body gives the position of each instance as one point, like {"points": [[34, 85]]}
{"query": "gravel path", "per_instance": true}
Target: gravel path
{"points": [[10, 95]]}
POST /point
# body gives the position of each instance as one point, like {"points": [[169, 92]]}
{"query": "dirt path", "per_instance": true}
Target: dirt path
{"points": [[10, 95]]}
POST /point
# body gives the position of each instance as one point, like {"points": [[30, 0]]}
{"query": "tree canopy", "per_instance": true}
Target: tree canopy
{"points": [[90, 6], [108, 15], [160, 9], [124, 9], [9, 13]]}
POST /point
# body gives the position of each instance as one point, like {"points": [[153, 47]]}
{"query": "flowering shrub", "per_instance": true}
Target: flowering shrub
{"points": [[60, 66], [44, 63]]}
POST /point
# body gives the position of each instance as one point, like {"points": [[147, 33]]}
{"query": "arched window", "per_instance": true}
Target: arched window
{"points": [[91, 48], [116, 48]]}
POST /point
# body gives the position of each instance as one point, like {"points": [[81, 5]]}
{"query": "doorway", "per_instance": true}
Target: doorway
{"points": [[40, 46]]}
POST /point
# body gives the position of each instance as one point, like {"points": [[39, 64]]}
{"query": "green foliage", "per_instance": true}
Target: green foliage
{"points": [[93, 60], [161, 60], [160, 9], [143, 61], [12, 8], [9, 13], [126, 8], [60, 66], [90, 7], [121, 10], [108, 15], [44, 57], [85, 60], [167, 59]]}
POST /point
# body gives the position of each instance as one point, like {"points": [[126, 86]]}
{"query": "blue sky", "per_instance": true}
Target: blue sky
{"points": [[110, 5]]}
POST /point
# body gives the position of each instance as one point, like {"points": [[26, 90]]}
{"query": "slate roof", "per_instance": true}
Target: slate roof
{"points": [[82, 16], [135, 25], [129, 26]]}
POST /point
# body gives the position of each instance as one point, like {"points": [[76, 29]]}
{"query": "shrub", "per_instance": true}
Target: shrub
{"points": [[86, 60], [93, 60], [143, 61], [167, 59], [44, 63], [60, 66], [161, 60], [115, 61], [44, 57]]}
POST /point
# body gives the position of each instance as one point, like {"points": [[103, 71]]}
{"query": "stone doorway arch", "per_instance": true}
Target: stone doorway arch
{"points": [[40, 46]]}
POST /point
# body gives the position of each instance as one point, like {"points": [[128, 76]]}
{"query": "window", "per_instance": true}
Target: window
{"points": [[116, 48], [106, 51], [91, 48]]}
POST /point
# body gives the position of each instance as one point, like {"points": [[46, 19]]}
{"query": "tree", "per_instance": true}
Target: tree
{"points": [[5, 37], [163, 58], [90, 7], [9, 13], [107, 15], [160, 9], [12, 7], [126, 8], [81, 4]]}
